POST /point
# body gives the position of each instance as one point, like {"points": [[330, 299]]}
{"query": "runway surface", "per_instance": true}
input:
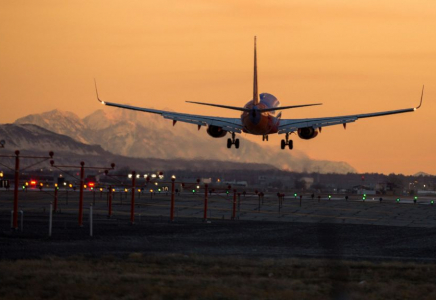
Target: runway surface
{"points": [[334, 228], [387, 212]]}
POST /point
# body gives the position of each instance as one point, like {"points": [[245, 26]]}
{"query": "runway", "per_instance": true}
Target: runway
{"points": [[352, 230], [388, 212]]}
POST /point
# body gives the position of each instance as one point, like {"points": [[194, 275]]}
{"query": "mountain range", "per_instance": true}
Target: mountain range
{"points": [[130, 136]]}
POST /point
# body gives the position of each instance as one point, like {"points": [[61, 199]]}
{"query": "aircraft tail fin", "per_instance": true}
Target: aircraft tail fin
{"points": [[255, 88]]}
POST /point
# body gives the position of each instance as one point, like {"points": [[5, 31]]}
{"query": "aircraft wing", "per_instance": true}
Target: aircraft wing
{"points": [[229, 124], [291, 125]]}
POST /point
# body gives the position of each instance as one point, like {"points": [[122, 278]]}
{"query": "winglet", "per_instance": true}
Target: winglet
{"points": [[96, 91], [422, 95]]}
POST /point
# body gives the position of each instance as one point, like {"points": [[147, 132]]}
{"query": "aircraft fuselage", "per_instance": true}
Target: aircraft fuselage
{"points": [[261, 123]]}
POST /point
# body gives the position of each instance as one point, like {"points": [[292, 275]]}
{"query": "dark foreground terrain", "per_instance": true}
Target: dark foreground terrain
{"points": [[141, 276], [155, 235], [224, 259]]}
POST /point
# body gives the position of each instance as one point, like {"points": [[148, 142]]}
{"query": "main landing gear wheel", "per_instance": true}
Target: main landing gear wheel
{"points": [[233, 141], [287, 142]]}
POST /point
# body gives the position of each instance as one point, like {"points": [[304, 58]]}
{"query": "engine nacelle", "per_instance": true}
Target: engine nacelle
{"points": [[307, 133], [216, 131]]}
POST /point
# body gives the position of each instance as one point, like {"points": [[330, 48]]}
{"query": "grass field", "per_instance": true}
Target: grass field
{"points": [[202, 277]]}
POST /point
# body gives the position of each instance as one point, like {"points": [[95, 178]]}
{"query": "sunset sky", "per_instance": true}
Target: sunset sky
{"points": [[353, 56]]}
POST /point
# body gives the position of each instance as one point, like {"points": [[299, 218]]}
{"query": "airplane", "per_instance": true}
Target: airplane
{"points": [[259, 117]]}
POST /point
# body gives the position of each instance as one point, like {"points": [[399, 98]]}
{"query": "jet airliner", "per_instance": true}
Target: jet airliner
{"points": [[260, 116]]}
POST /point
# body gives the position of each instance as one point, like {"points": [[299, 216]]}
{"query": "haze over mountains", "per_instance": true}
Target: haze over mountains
{"points": [[139, 135]]}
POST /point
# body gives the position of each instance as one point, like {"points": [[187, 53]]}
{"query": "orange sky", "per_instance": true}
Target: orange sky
{"points": [[354, 56]]}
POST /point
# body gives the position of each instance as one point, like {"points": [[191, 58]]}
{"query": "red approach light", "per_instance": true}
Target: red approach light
{"points": [[32, 182], [91, 184]]}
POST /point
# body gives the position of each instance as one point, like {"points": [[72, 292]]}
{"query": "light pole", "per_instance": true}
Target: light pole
{"points": [[173, 180], [132, 202], [17, 178], [82, 182]]}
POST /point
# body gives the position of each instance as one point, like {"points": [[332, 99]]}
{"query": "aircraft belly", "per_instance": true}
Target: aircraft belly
{"points": [[267, 125]]}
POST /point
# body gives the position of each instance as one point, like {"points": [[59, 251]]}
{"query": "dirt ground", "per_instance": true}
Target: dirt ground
{"points": [[175, 276], [223, 259]]}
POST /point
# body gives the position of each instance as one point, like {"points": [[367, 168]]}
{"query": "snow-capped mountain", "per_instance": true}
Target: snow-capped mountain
{"points": [[66, 123], [36, 141], [33, 140], [139, 135]]}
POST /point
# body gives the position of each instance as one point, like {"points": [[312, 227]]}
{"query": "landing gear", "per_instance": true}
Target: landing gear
{"points": [[288, 142], [265, 138], [233, 141]]}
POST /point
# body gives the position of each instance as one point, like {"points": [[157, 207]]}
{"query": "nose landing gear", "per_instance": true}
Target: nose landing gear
{"points": [[287, 142], [265, 138], [233, 141]]}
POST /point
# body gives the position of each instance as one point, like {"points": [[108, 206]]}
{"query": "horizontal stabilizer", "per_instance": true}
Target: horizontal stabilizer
{"points": [[222, 106], [248, 110], [287, 107]]}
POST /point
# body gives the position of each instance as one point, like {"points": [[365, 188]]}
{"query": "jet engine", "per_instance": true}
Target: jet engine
{"points": [[307, 133], [216, 131]]}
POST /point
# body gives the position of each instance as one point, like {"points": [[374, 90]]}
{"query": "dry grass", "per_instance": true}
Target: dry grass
{"points": [[197, 277]]}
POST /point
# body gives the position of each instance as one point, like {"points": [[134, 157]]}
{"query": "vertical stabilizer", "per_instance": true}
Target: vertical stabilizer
{"points": [[255, 92]]}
